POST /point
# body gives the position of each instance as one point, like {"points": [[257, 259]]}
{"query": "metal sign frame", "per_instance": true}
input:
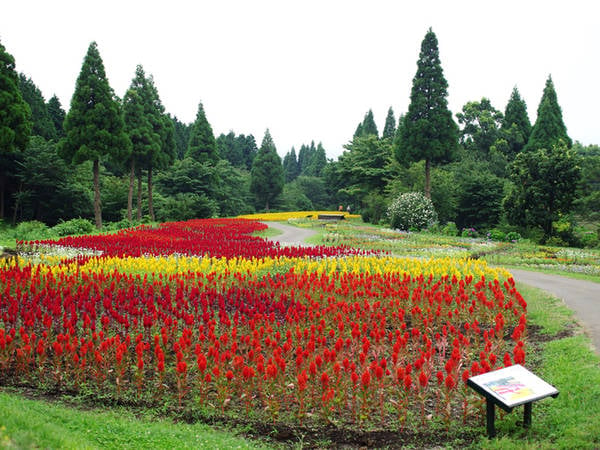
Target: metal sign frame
{"points": [[508, 388]]}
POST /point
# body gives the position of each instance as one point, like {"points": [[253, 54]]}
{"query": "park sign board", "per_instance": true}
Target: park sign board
{"points": [[510, 387], [513, 386]]}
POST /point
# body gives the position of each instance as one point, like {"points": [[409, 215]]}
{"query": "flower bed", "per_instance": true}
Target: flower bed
{"points": [[285, 216], [369, 340]]}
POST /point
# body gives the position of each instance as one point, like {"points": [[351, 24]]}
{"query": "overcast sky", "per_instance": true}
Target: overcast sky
{"points": [[310, 70]]}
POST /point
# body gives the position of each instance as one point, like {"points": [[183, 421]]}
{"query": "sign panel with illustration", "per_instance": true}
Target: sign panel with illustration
{"points": [[513, 386]]}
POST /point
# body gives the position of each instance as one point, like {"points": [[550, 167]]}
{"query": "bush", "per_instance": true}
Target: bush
{"points": [[450, 229], [73, 226], [512, 236], [411, 211], [469, 233], [374, 208], [496, 235], [589, 239], [32, 230]]}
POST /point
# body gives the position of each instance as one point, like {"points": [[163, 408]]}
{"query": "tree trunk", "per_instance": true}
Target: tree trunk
{"points": [[150, 207], [97, 205], [267, 206], [139, 195], [17, 204], [2, 186], [130, 192], [428, 179]]}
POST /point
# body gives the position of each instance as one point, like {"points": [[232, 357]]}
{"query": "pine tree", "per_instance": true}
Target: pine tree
{"points": [[57, 114], [516, 127], [428, 131], [290, 166], [549, 128], [42, 122], [94, 126], [317, 162], [248, 149], [15, 119], [367, 126], [303, 159], [182, 136], [140, 133], [389, 130], [202, 145], [267, 173], [162, 152]]}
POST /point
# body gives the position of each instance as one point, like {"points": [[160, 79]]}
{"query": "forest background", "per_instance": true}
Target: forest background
{"points": [[491, 172]]}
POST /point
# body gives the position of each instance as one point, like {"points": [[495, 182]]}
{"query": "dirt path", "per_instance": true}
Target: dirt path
{"points": [[583, 297]]}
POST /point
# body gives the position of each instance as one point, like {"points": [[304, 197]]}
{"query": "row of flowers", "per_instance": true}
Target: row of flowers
{"points": [[229, 238], [285, 216]]}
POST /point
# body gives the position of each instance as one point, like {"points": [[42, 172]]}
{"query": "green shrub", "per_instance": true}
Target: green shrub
{"points": [[120, 225], [450, 229], [496, 235], [374, 208], [411, 211], [32, 230], [469, 233], [512, 236], [73, 226], [589, 239]]}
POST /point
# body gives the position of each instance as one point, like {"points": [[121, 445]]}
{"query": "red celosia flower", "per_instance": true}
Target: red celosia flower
{"points": [[366, 379], [450, 382], [423, 380], [324, 380]]}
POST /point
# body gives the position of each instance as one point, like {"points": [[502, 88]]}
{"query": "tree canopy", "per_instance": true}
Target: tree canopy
{"points": [[267, 173], [549, 128], [15, 117], [202, 145]]}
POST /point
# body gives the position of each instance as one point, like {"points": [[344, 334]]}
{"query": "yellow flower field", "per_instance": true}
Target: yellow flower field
{"points": [[285, 216]]}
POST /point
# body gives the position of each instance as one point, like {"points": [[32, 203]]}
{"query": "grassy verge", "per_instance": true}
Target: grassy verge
{"points": [[38, 424], [571, 420]]}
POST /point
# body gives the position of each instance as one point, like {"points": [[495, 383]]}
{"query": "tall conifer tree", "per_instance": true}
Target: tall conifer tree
{"points": [[516, 126], [389, 129], [549, 128], [42, 122], [15, 119], [94, 127], [266, 176], [141, 134], [428, 131], [57, 115], [202, 145], [290, 166], [162, 152]]}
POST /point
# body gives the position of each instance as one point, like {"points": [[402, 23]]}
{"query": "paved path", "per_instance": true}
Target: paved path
{"points": [[583, 297], [291, 235]]}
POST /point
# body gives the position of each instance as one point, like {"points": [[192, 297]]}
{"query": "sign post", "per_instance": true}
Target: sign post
{"points": [[510, 387]]}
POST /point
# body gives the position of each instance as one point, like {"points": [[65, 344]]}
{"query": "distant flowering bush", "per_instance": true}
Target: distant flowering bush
{"points": [[469, 233], [411, 211]]}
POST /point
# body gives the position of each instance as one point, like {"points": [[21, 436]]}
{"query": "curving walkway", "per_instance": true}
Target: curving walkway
{"points": [[583, 297], [290, 235]]}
